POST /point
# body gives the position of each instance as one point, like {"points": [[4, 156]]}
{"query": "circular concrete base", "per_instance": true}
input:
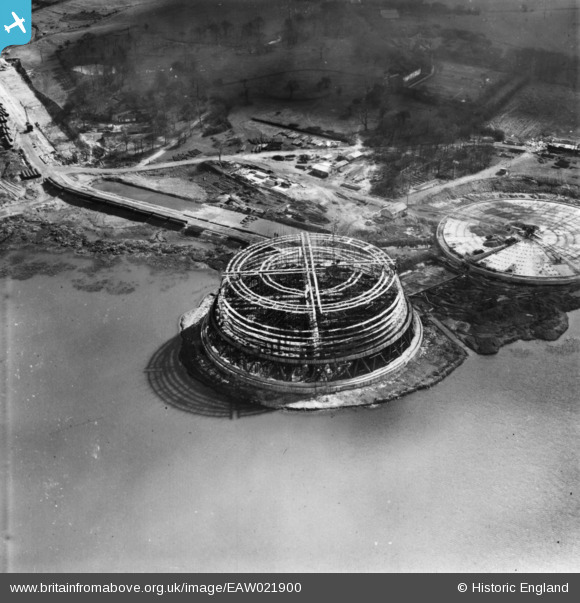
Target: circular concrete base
{"points": [[531, 241]]}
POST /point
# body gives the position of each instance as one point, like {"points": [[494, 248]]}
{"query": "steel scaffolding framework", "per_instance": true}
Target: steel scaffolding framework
{"points": [[310, 311]]}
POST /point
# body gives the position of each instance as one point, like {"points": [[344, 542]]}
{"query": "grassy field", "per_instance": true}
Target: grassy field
{"points": [[461, 82], [193, 68], [548, 24], [541, 110]]}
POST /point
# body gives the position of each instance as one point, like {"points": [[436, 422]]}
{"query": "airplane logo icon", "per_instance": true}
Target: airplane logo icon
{"points": [[20, 32], [17, 22]]}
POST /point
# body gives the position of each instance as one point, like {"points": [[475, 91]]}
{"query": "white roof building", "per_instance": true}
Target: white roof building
{"points": [[394, 210], [354, 155], [322, 170]]}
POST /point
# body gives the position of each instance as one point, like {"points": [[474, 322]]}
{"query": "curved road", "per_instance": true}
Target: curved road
{"points": [[35, 145]]}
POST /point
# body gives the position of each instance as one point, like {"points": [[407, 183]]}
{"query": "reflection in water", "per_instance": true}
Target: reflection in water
{"points": [[170, 381]]}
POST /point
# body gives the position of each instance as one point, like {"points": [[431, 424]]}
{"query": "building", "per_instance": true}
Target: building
{"points": [[402, 75], [394, 210], [564, 146], [354, 155], [412, 75], [322, 170], [308, 313]]}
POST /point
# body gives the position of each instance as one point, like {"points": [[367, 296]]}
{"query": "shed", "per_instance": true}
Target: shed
{"points": [[322, 170], [394, 210], [563, 146], [354, 155]]}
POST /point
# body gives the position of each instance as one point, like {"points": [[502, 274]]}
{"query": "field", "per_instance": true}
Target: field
{"points": [[461, 82], [548, 24], [540, 110], [139, 76]]}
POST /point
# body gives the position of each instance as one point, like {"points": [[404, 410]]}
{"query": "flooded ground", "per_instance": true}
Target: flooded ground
{"points": [[143, 194], [204, 212], [480, 473]]}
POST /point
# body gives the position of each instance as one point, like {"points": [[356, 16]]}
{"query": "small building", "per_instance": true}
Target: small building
{"points": [[564, 146], [354, 155], [402, 75], [395, 210], [29, 174], [411, 76], [126, 117], [322, 170]]}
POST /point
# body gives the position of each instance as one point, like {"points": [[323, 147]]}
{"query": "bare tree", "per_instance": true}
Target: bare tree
{"points": [[126, 139], [214, 29], [246, 91], [226, 27], [363, 113], [292, 86]]}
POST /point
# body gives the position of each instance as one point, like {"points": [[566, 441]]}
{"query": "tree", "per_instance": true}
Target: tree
{"points": [[186, 112], [292, 86], [246, 91], [363, 114], [126, 139], [160, 125], [150, 139], [290, 32], [214, 29], [161, 80], [226, 27], [247, 29], [98, 151], [258, 24], [403, 116], [323, 83]]}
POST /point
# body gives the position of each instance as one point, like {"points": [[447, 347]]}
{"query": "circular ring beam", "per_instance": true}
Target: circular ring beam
{"points": [[533, 241], [310, 312]]}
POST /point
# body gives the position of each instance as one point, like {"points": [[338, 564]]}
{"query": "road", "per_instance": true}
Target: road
{"points": [[17, 98], [249, 157], [416, 197], [16, 95], [34, 146]]}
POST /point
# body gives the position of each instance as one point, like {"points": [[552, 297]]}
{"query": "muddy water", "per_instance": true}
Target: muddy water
{"points": [[478, 473], [143, 194]]}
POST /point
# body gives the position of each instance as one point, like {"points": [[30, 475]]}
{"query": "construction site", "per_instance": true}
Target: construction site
{"points": [[348, 186], [290, 286], [307, 314], [518, 240]]}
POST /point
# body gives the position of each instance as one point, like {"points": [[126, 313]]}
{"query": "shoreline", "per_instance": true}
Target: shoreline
{"points": [[438, 357], [137, 240], [439, 354]]}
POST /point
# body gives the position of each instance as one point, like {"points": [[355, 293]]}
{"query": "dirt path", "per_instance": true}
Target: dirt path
{"points": [[490, 172]]}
